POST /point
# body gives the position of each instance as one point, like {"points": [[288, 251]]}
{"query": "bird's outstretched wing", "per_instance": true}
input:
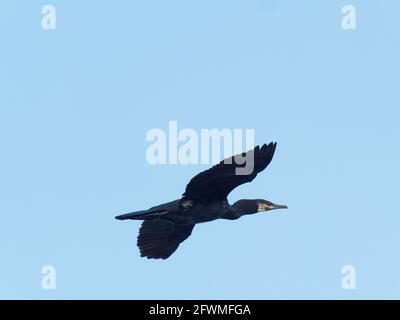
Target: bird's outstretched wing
{"points": [[159, 238], [217, 182]]}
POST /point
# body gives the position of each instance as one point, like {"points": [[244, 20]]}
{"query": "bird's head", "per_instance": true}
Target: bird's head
{"points": [[265, 205], [250, 206]]}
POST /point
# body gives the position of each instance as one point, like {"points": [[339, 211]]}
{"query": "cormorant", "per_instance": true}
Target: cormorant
{"points": [[205, 199]]}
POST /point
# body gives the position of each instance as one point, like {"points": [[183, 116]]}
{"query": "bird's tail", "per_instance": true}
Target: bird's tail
{"points": [[137, 215]]}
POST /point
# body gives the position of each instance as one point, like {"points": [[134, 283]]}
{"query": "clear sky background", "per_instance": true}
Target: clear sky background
{"points": [[76, 104]]}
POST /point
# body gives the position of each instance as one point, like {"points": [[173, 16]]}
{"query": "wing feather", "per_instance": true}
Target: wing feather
{"points": [[159, 238], [217, 182]]}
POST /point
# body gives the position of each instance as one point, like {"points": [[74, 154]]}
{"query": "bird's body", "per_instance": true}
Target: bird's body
{"points": [[165, 226], [184, 212]]}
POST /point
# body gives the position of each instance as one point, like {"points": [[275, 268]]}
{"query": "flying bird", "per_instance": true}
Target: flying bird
{"points": [[167, 225]]}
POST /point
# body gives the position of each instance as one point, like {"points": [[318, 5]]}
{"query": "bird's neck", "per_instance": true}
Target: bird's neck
{"points": [[241, 208], [245, 207]]}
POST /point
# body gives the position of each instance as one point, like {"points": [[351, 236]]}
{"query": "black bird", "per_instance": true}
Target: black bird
{"points": [[205, 199]]}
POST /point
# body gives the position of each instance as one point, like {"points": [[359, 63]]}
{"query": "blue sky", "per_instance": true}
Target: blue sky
{"points": [[76, 104]]}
